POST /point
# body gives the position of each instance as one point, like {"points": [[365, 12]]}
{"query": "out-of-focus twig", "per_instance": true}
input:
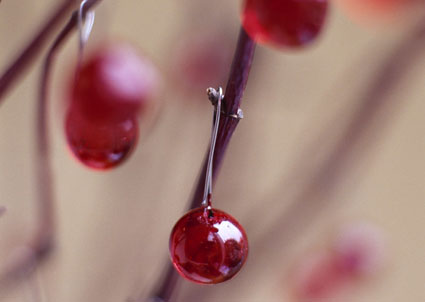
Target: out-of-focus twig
{"points": [[30, 52], [367, 121], [41, 243], [2, 210], [33, 48], [34, 291]]}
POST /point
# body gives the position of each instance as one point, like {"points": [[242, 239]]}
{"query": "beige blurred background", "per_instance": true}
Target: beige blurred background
{"points": [[113, 228]]}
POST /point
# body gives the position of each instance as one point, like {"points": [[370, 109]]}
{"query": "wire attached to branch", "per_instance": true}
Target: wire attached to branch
{"points": [[216, 96]]}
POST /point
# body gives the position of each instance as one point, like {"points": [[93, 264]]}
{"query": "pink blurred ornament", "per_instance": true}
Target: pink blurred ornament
{"points": [[360, 249], [372, 12], [203, 60], [316, 277]]}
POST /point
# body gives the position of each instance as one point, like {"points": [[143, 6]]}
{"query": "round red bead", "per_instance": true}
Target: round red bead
{"points": [[100, 144], [284, 23], [208, 246], [113, 83]]}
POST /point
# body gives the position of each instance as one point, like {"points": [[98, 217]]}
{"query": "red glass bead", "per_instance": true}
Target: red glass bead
{"points": [[100, 144], [284, 23], [208, 246], [113, 83]]}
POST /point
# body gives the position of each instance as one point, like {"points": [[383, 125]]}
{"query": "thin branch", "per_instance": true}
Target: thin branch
{"points": [[33, 48], [235, 88], [30, 52], [238, 78], [41, 244], [33, 289]]}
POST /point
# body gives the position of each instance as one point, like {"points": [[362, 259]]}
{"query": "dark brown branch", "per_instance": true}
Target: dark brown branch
{"points": [[235, 88], [41, 244], [43, 240], [238, 78], [18, 66]]}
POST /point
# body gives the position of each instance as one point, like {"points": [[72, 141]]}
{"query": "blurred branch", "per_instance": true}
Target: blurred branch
{"points": [[369, 119], [40, 246], [29, 53], [238, 78]]}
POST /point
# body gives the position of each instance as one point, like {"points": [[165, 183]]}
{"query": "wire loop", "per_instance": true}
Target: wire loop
{"points": [[85, 26]]}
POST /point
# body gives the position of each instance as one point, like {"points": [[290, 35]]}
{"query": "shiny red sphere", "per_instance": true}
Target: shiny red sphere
{"points": [[284, 23], [113, 83], [100, 144], [208, 246]]}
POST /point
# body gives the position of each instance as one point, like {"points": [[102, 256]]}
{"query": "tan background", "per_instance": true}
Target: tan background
{"points": [[113, 227]]}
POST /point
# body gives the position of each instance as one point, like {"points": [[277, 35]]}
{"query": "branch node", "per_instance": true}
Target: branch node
{"points": [[213, 95]]}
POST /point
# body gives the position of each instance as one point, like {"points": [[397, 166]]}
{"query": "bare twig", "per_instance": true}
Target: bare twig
{"points": [[30, 52], [2, 210], [18, 66], [238, 78], [38, 248], [33, 286], [373, 105]]}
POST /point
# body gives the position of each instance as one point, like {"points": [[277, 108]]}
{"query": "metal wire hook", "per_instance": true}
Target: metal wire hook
{"points": [[208, 177], [85, 26]]}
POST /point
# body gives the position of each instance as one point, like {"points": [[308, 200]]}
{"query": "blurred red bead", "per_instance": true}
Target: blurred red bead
{"points": [[316, 278], [284, 23], [113, 83], [374, 12], [360, 249], [100, 144], [202, 59], [208, 247]]}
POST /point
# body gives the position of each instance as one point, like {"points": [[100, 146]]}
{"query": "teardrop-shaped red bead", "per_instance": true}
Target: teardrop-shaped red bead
{"points": [[284, 23], [100, 144], [208, 246]]}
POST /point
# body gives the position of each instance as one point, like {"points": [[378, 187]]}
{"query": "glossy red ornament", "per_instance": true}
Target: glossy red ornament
{"points": [[100, 144], [284, 23], [113, 83], [208, 246]]}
